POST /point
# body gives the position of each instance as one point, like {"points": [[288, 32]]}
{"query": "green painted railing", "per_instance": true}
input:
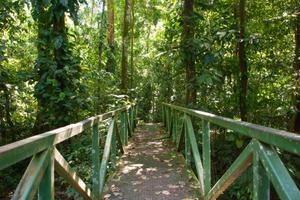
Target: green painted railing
{"points": [[39, 175], [260, 153]]}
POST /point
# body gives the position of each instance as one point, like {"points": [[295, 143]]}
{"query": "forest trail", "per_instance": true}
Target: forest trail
{"points": [[151, 169]]}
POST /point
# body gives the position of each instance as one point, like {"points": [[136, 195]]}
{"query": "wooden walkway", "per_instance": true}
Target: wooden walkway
{"points": [[151, 169]]}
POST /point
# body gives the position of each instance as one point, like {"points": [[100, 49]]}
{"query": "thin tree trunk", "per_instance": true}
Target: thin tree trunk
{"points": [[100, 52], [92, 13], [148, 38], [243, 63], [41, 67], [7, 111], [188, 52], [125, 42], [131, 45], [60, 30], [236, 26], [297, 75], [7, 108], [101, 38], [111, 62]]}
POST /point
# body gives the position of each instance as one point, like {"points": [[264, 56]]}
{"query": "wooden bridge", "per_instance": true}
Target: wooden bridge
{"points": [[151, 165]]}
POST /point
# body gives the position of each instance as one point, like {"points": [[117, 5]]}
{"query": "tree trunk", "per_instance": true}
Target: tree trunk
{"points": [[125, 42], [131, 45], [8, 109], [188, 52], [101, 37], [8, 121], [92, 13], [56, 63], [59, 28], [243, 63], [297, 74], [236, 9], [111, 62], [102, 30], [41, 66]]}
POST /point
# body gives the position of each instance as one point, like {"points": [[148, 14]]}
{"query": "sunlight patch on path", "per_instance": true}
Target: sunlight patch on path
{"points": [[151, 169]]}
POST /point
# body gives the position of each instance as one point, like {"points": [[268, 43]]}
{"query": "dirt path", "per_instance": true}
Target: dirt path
{"points": [[151, 169]]}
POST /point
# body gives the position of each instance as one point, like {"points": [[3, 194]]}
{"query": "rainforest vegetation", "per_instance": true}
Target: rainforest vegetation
{"points": [[62, 61]]}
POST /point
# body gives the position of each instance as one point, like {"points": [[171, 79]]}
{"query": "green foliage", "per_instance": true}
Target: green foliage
{"points": [[58, 81], [270, 55], [16, 58], [51, 75]]}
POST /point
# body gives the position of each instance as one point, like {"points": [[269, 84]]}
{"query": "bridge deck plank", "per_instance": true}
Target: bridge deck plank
{"points": [[151, 169]]}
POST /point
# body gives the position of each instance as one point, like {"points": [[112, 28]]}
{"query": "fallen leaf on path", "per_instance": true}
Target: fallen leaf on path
{"points": [[165, 192]]}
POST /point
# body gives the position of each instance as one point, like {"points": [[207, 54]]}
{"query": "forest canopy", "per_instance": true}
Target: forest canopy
{"points": [[62, 61], [239, 59]]}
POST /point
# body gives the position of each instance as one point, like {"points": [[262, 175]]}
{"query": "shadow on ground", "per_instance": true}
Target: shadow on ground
{"points": [[151, 169]]}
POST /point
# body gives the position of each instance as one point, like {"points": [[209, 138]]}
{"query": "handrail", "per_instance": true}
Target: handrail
{"points": [[39, 175], [267, 165], [283, 139]]}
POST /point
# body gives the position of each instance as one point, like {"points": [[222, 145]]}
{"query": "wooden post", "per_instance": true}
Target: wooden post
{"points": [[118, 138], [125, 128], [135, 115], [96, 162], [196, 154], [46, 188], [113, 153], [206, 155], [129, 126], [34, 174], [174, 126], [170, 121], [167, 119], [174, 123], [105, 156], [163, 115], [166, 116], [131, 118], [187, 145], [261, 183], [122, 127], [180, 138]]}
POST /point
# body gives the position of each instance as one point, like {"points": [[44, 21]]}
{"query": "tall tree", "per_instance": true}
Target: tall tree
{"points": [[58, 86], [44, 59], [111, 61], [125, 44], [102, 29], [243, 62], [10, 12], [188, 53], [92, 13], [297, 72], [102, 34], [60, 36], [132, 20]]}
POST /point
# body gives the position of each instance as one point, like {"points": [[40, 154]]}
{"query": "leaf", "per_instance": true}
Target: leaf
{"points": [[58, 41], [209, 58], [46, 2], [239, 143], [205, 78], [221, 34], [62, 96], [64, 3], [229, 137]]}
